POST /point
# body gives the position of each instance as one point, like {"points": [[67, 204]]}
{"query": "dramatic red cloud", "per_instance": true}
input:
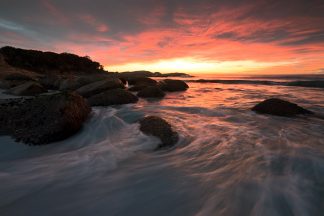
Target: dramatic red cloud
{"points": [[185, 36]]}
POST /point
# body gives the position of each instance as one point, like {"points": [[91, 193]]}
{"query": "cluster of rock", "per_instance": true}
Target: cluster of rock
{"points": [[57, 106], [149, 88], [56, 91]]}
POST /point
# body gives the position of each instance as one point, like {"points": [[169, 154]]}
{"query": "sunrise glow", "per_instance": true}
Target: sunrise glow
{"points": [[190, 65], [194, 37]]}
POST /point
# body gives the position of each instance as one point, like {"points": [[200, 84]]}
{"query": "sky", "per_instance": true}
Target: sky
{"points": [[192, 36]]}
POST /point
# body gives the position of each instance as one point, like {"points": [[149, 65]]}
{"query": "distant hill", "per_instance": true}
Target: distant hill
{"points": [[150, 74], [49, 62]]}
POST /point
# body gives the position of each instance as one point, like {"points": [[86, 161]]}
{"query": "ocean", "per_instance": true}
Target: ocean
{"points": [[228, 161]]}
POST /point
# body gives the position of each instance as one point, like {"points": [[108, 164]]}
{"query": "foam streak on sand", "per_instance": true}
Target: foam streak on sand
{"points": [[228, 160]]}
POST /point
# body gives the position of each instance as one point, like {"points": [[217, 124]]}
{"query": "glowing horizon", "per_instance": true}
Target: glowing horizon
{"points": [[193, 66]]}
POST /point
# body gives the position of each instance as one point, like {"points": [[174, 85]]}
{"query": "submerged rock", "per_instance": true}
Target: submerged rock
{"points": [[43, 119], [100, 86], [151, 92], [27, 89], [158, 127], [112, 97], [279, 107], [173, 85]]}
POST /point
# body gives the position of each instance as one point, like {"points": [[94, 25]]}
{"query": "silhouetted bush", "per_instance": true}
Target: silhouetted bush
{"points": [[47, 62]]}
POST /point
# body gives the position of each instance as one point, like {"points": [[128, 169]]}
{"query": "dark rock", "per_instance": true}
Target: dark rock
{"points": [[141, 81], [18, 76], [4, 84], [158, 127], [112, 97], [27, 89], [52, 82], [43, 119], [124, 81], [173, 85], [151, 92], [137, 88], [100, 86], [279, 107]]}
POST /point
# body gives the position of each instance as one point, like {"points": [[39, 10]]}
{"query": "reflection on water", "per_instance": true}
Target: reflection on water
{"points": [[229, 160]]}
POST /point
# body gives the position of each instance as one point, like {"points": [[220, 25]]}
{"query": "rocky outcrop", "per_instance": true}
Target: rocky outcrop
{"points": [[279, 107], [173, 85], [112, 97], [49, 62], [100, 86], [151, 92], [158, 127], [27, 89], [43, 119]]}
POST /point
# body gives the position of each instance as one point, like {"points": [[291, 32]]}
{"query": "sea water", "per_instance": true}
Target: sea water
{"points": [[228, 161]]}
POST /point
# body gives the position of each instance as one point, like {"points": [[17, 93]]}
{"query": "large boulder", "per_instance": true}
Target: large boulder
{"points": [[100, 86], [43, 119], [76, 82], [112, 97], [14, 79], [151, 92], [158, 127], [52, 82], [137, 88], [141, 81], [279, 107], [27, 89], [173, 85], [18, 76]]}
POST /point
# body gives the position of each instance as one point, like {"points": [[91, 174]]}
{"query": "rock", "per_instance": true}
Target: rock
{"points": [[158, 127], [43, 119], [137, 88], [27, 89], [100, 86], [4, 85], [18, 77], [173, 85], [141, 81], [124, 81], [77, 82], [52, 82], [151, 92], [279, 107], [112, 97]]}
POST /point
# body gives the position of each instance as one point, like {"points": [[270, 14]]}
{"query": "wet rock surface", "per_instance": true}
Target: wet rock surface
{"points": [[43, 119], [275, 106], [158, 127], [173, 85], [100, 86], [151, 92], [112, 97]]}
